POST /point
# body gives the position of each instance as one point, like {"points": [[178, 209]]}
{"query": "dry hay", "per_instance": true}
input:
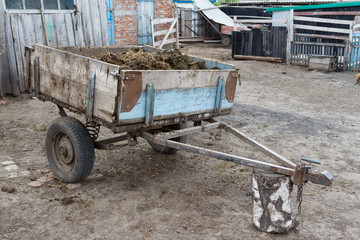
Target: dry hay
{"points": [[137, 59]]}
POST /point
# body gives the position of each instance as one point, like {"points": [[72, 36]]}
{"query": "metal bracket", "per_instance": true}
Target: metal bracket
{"points": [[37, 76], [90, 98], [219, 95], [300, 174], [149, 107]]}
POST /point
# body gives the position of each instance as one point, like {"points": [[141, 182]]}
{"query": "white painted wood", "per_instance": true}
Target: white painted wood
{"points": [[152, 31], [103, 23], [259, 21], [95, 21], [162, 43], [69, 30], [165, 39], [60, 29], [322, 20], [51, 29], [163, 32], [11, 57], [87, 24], [38, 29], [323, 29], [162, 20], [290, 38], [18, 38], [78, 29]]}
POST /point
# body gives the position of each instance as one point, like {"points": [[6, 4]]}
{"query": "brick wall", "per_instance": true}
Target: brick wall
{"points": [[125, 19], [125, 22]]}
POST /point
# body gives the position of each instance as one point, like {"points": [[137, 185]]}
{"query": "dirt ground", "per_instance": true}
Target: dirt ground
{"points": [[136, 193]]}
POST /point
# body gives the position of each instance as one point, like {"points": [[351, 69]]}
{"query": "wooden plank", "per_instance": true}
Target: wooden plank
{"points": [[103, 23], [78, 29], [320, 36], [163, 32], [64, 76], [163, 20], [60, 29], [321, 63], [167, 41], [322, 29], [19, 52], [182, 79], [258, 58], [95, 20], [87, 23], [29, 38], [259, 21], [152, 32], [290, 37], [322, 20], [38, 29], [51, 29], [164, 40], [11, 57], [319, 44], [333, 13], [69, 30]]}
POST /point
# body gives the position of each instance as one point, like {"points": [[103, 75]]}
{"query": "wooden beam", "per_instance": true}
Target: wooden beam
{"points": [[323, 20], [322, 29], [342, 13], [258, 58]]}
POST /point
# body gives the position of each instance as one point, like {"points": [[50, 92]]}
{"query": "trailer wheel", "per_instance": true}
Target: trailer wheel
{"points": [[167, 150], [226, 40], [69, 149]]}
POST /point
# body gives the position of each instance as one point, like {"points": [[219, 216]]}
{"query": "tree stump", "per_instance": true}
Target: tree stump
{"points": [[271, 202]]}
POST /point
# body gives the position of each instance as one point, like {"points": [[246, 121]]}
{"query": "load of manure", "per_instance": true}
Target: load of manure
{"points": [[138, 59]]}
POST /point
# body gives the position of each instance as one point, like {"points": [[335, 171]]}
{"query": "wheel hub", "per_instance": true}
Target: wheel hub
{"points": [[66, 152]]}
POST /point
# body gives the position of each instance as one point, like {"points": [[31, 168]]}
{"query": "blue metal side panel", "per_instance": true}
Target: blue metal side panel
{"points": [[213, 64], [110, 20], [175, 101], [145, 11]]}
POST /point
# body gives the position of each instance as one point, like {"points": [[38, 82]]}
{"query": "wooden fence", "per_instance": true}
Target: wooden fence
{"points": [[88, 27], [260, 43], [319, 37]]}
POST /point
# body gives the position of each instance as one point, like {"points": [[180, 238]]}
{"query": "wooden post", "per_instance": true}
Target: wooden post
{"points": [[44, 26], [271, 202], [290, 37]]}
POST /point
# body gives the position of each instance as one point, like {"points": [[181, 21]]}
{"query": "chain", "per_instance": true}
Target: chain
{"points": [[299, 198]]}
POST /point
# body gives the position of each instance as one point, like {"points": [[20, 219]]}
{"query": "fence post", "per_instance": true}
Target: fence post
{"points": [[290, 37]]}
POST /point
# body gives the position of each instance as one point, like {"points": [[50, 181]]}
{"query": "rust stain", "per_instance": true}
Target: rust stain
{"points": [[231, 86], [131, 90]]}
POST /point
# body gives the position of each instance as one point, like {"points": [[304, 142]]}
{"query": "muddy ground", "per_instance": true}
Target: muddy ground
{"points": [[135, 193]]}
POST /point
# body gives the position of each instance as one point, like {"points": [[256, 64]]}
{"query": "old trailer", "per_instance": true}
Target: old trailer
{"points": [[156, 105]]}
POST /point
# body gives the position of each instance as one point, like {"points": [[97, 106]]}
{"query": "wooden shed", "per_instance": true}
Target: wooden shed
{"points": [[67, 23]]}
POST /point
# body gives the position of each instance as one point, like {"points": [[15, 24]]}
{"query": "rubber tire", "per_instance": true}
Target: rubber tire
{"points": [[167, 150], [226, 40], [83, 149]]}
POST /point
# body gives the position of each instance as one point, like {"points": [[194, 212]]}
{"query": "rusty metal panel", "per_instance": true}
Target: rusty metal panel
{"points": [[131, 88], [231, 86]]}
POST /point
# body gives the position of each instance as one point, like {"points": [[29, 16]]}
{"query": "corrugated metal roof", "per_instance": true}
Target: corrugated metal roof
{"points": [[214, 14], [320, 6], [268, 2]]}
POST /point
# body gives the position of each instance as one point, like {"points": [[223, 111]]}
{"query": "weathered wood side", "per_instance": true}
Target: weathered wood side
{"points": [[11, 57], [178, 79], [5, 84], [64, 76]]}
